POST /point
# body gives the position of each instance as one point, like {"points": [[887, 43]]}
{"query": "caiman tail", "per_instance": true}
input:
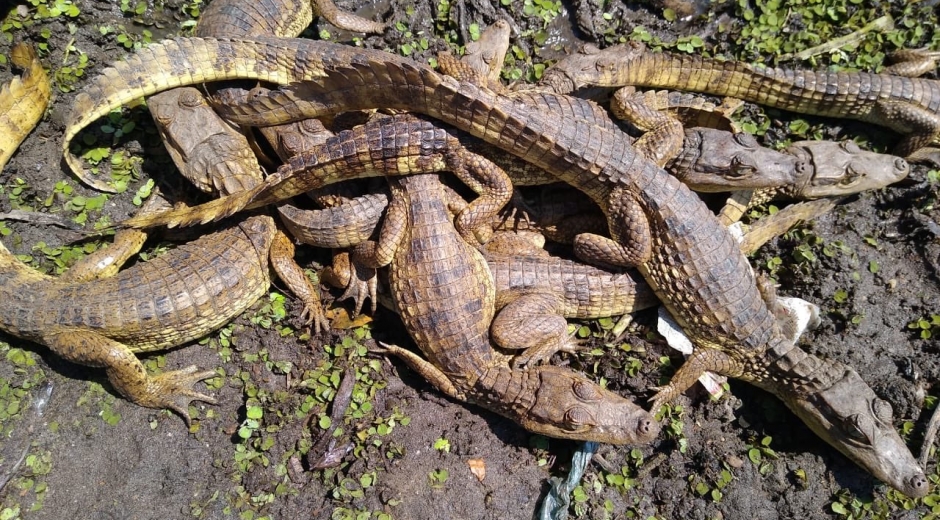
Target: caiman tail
{"points": [[23, 101], [274, 60]]}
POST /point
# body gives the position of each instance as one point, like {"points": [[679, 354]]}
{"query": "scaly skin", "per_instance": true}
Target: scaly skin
{"points": [[217, 158], [444, 293], [211, 153], [234, 19], [163, 303], [910, 106], [680, 248], [23, 100]]}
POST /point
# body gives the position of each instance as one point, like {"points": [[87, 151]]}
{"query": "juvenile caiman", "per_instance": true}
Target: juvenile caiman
{"points": [[444, 292], [681, 249], [910, 106], [238, 19]]}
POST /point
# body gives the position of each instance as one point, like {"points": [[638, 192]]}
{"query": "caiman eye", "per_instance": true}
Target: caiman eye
{"points": [[882, 410], [850, 146], [853, 428], [190, 99], [577, 417], [745, 139], [851, 177], [585, 391], [740, 168]]}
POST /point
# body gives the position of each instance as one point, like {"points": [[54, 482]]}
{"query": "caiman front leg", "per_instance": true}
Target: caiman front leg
{"points": [[106, 262], [702, 360], [173, 390], [360, 282], [282, 260], [662, 133], [533, 322]]}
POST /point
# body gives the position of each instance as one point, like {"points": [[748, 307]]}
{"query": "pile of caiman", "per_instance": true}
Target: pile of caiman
{"points": [[483, 301]]}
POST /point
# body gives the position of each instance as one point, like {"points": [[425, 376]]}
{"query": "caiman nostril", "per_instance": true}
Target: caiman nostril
{"points": [[918, 485]]}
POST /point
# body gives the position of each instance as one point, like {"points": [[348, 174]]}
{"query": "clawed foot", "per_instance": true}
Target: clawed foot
{"points": [[313, 313], [362, 285], [174, 390]]}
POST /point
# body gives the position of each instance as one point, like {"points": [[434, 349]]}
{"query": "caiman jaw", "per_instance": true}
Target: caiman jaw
{"points": [[849, 416], [569, 406]]}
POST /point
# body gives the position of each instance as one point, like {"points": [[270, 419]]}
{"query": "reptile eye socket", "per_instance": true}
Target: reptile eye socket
{"points": [[745, 139], [585, 391], [850, 146], [576, 417], [882, 410], [189, 99], [851, 178], [853, 428], [740, 168]]}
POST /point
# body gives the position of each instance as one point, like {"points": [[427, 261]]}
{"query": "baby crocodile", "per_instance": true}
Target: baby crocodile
{"points": [[444, 292], [658, 224], [910, 106], [163, 303]]}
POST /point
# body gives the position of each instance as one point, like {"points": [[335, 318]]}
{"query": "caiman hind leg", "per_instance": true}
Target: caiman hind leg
{"points": [[533, 322], [912, 63], [173, 390], [921, 127], [632, 243]]}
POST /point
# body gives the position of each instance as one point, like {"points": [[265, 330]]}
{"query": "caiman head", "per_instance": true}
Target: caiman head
{"points": [[842, 169], [716, 160], [590, 66], [569, 406], [849, 416]]}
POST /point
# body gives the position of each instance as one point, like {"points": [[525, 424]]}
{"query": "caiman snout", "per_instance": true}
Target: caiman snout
{"points": [[849, 416]]}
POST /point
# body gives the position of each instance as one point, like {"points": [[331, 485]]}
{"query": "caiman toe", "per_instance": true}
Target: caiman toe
{"points": [[174, 390]]}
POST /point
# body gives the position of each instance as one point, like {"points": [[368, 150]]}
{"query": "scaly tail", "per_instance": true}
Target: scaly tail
{"points": [[184, 216], [23, 101], [176, 63]]}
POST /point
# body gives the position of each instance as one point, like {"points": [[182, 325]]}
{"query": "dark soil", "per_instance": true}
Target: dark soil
{"points": [[871, 266]]}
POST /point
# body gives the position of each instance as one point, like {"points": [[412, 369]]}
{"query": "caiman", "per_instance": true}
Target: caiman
{"points": [[444, 292], [217, 158], [239, 19], [160, 304], [907, 105], [96, 316], [658, 224]]}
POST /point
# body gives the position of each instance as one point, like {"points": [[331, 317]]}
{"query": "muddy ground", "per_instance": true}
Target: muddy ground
{"points": [[871, 266]]}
